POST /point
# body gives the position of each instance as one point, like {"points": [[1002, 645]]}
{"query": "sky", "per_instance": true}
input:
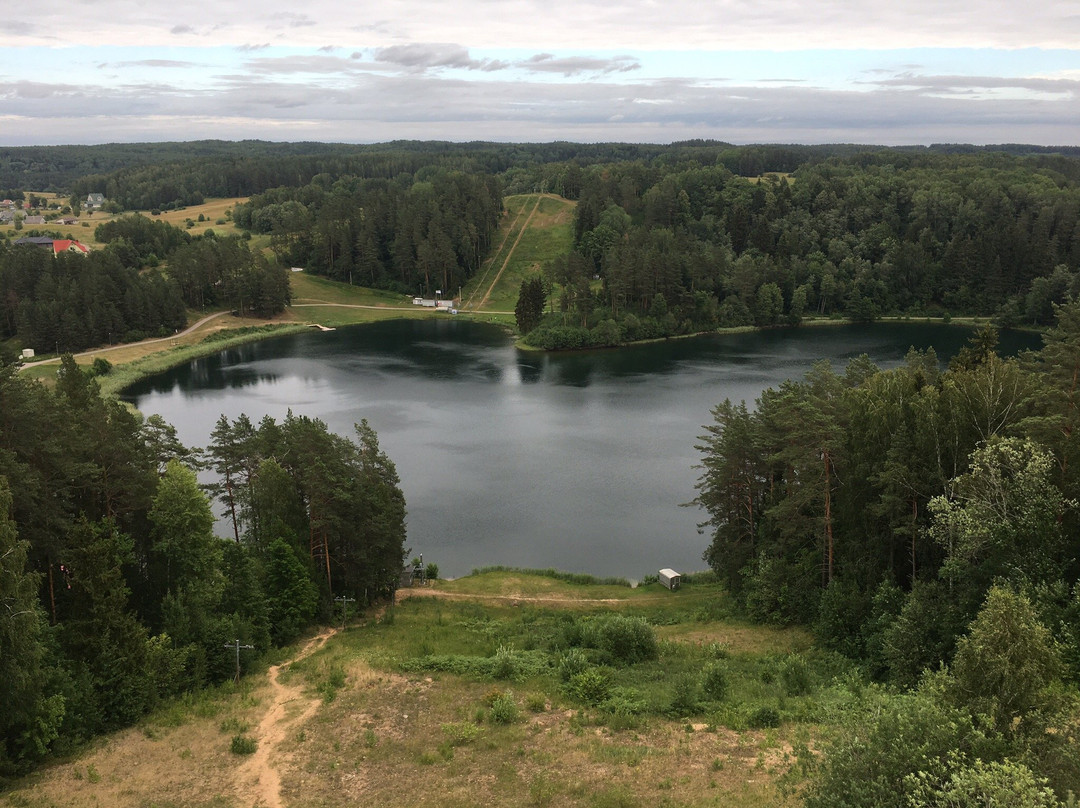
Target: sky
{"points": [[654, 71]]}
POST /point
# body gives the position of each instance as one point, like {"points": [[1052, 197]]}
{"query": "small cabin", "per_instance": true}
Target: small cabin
{"points": [[670, 578]]}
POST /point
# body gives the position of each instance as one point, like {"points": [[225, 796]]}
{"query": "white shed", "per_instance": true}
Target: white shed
{"points": [[670, 579]]}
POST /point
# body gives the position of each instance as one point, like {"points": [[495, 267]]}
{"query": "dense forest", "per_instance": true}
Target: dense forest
{"points": [[417, 233], [667, 249], [115, 594], [919, 518]]}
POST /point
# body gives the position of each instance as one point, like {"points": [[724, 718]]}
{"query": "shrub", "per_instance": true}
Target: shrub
{"points": [[714, 681], [684, 696], [795, 675], [504, 710], [628, 639], [571, 663], [432, 571], [591, 686], [506, 666], [460, 733], [763, 718], [243, 745]]}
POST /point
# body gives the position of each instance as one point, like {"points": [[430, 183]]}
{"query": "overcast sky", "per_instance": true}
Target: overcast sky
{"points": [[744, 71]]}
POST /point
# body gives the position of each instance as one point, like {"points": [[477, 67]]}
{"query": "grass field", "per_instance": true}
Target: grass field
{"points": [[455, 697], [535, 229], [213, 212]]}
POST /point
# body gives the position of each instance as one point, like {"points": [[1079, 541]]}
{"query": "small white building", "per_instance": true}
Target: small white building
{"points": [[670, 578]]}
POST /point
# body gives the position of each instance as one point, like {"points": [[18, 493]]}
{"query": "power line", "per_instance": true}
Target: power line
{"points": [[236, 644], [344, 601]]}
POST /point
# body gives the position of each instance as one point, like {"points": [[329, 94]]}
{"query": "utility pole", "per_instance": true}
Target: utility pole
{"points": [[236, 644], [344, 601]]}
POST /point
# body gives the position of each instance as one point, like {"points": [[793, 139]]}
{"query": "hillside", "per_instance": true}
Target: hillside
{"points": [[373, 714]]}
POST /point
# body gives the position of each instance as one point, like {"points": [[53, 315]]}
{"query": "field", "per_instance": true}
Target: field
{"points": [[214, 213], [535, 229], [455, 696]]}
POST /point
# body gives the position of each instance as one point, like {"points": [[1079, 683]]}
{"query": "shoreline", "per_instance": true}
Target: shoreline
{"points": [[127, 373]]}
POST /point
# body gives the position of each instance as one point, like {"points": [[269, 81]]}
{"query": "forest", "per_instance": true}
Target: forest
{"points": [[669, 249], [115, 592], [924, 522], [119, 294]]}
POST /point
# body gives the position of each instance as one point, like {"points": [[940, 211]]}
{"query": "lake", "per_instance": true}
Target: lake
{"points": [[575, 461]]}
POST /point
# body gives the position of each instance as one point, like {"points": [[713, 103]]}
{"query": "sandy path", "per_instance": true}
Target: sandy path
{"points": [[96, 351], [258, 781]]}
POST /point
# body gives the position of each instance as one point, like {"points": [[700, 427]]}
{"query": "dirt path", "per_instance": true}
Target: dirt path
{"points": [[491, 261], [96, 351], [258, 781]]}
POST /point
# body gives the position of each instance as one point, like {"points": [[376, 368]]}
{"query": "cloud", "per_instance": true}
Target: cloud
{"points": [[311, 63], [958, 84], [250, 48], [430, 56], [577, 65], [181, 29], [172, 63], [20, 27]]}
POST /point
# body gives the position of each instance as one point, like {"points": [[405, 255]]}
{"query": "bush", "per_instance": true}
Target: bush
{"points": [[432, 571], [504, 710], [714, 681], [101, 366], [591, 686], [628, 639], [795, 675], [763, 718], [684, 695], [571, 663], [243, 745]]}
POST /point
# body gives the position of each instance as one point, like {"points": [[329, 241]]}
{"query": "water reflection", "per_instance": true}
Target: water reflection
{"points": [[578, 461]]}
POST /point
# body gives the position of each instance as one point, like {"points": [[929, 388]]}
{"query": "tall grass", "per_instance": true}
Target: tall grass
{"points": [[578, 578]]}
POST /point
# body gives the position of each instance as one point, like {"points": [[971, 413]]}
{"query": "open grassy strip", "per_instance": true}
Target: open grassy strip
{"points": [[516, 215], [549, 235]]}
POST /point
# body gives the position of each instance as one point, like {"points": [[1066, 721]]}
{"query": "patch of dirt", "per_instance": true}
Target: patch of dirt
{"points": [[258, 778]]}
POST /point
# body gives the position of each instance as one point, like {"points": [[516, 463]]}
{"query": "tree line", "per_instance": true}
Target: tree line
{"points": [[115, 593], [119, 293], [859, 236], [413, 234]]}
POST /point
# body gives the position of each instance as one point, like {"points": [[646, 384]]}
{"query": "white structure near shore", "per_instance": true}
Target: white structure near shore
{"points": [[670, 578]]}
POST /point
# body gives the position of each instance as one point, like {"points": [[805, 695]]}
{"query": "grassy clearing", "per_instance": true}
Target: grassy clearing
{"points": [[508, 728], [549, 233]]}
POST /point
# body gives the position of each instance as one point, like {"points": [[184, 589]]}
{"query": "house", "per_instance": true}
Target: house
{"points": [[6, 204], [95, 201], [7, 216], [34, 220], [57, 245]]}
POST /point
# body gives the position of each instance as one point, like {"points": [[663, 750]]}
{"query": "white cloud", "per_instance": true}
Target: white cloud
{"points": [[563, 24]]}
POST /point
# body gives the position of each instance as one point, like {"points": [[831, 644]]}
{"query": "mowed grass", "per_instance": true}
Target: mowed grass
{"points": [[392, 729], [548, 234]]}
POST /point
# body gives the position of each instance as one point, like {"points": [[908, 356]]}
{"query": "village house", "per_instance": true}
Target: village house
{"points": [[57, 245], [95, 201]]}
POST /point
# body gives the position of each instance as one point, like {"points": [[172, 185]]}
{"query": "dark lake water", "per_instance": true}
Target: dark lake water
{"points": [[575, 461]]}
